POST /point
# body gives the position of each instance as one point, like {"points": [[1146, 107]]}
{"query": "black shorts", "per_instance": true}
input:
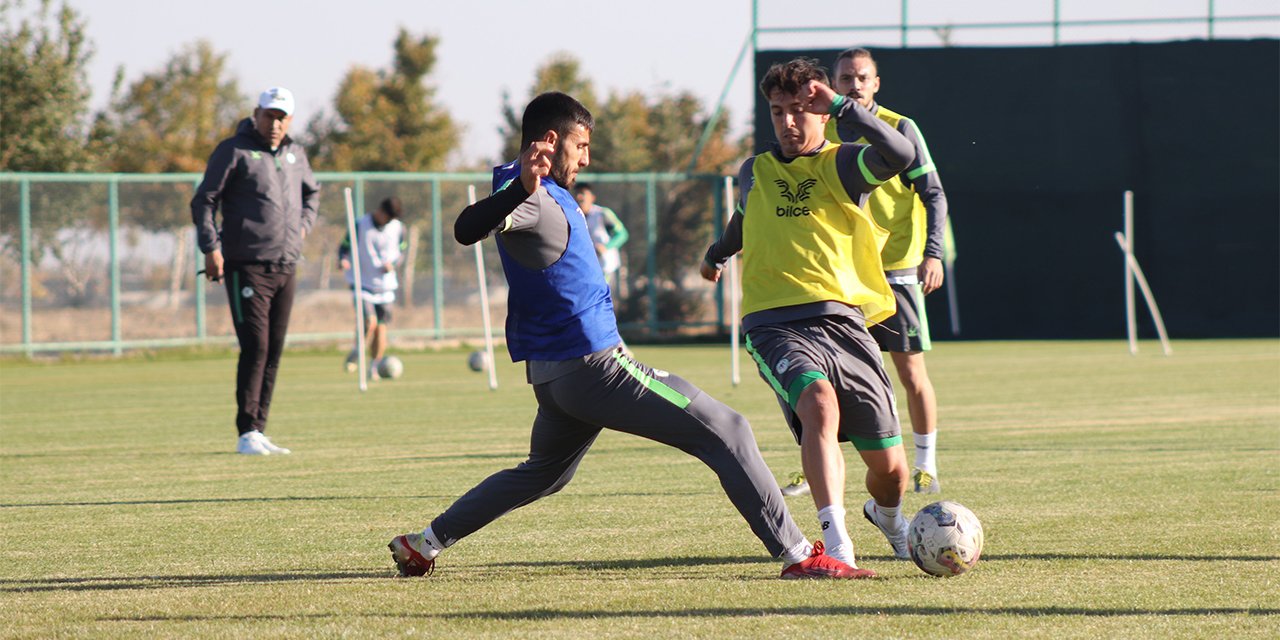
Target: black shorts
{"points": [[381, 311], [906, 331]]}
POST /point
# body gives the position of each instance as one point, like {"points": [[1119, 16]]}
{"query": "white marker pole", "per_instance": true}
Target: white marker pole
{"points": [[731, 292], [357, 289], [1130, 311], [1146, 291], [484, 302]]}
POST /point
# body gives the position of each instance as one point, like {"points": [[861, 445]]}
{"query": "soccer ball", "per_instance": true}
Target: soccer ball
{"points": [[478, 361], [945, 539], [390, 367]]}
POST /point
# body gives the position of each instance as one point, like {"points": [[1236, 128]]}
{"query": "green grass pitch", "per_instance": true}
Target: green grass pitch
{"points": [[1121, 497]]}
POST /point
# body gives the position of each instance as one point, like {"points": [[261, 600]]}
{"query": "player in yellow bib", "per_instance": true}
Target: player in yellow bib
{"points": [[812, 281], [913, 208]]}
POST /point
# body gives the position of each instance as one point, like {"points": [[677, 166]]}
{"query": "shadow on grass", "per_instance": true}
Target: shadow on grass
{"points": [[636, 563], [998, 557], [453, 496], [116, 503], [722, 612], [175, 581]]}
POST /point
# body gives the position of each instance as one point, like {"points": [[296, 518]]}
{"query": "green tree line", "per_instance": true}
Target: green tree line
{"points": [[169, 118]]}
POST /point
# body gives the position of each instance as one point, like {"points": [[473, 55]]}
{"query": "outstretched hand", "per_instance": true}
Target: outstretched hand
{"points": [[708, 272], [535, 162], [816, 97]]}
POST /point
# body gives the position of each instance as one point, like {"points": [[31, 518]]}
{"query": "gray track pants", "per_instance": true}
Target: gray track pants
{"points": [[615, 392]]}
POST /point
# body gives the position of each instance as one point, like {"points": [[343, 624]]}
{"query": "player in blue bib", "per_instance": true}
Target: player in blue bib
{"points": [[560, 322]]}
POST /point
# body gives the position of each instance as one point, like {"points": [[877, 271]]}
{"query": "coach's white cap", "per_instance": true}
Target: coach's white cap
{"points": [[277, 98]]}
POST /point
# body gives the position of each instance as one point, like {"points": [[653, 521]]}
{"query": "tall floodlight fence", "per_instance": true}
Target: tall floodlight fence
{"points": [[108, 262], [931, 23]]}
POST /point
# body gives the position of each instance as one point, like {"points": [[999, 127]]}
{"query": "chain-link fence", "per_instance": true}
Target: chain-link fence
{"points": [[108, 261]]}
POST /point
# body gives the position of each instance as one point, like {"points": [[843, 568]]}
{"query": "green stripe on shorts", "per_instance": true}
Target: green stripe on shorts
{"points": [[875, 444], [797, 386], [925, 343], [800, 384], [651, 383], [765, 370]]}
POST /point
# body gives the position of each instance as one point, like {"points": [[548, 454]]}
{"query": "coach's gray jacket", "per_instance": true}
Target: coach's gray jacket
{"points": [[268, 199]]}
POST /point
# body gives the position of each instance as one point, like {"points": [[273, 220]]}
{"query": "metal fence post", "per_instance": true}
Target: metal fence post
{"points": [[202, 330], [358, 195], [437, 260], [1210, 19], [904, 24], [1057, 20], [113, 228], [24, 225], [651, 239]]}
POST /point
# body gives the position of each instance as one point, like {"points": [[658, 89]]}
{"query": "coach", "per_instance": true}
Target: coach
{"points": [[261, 179]]}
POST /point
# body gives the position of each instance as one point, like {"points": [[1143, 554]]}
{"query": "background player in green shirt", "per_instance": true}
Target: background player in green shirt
{"points": [[913, 207]]}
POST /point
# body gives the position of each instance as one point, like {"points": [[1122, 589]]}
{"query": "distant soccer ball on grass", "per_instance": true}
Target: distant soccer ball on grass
{"points": [[945, 539], [390, 367], [478, 361]]}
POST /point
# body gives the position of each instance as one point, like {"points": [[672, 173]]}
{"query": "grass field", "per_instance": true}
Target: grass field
{"points": [[1121, 497]]}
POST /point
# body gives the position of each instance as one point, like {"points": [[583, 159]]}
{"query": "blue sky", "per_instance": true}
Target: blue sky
{"points": [[490, 47]]}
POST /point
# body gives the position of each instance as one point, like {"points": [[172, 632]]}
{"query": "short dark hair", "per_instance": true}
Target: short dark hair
{"points": [[857, 52], [789, 77], [392, 207], [553, 111], [583, 186]]}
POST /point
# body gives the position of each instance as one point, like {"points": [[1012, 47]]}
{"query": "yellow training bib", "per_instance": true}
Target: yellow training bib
{"points": [[804, 241]]}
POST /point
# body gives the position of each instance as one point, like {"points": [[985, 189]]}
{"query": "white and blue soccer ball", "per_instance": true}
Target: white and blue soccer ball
{"points": [[390, 367], [945, 539]]}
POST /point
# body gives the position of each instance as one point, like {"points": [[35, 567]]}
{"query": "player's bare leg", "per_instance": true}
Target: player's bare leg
{"points": [[823, 464], [922, 406], [378, 341], [886, 482]]}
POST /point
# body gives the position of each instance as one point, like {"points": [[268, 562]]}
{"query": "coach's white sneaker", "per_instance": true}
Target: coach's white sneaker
{"points": [[351, 364], [271, 446], [250, 444], [896, 533]]}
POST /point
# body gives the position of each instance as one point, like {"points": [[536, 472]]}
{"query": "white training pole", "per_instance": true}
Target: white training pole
{"points": [[1130, 311], [949, 254], [953, 305], [731, 292], [1146, 291], [357, 289], [484, 302]]}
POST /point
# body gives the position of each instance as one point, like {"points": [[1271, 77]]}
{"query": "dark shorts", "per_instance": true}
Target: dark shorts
{"points": [[906, 331], [792, 355], [381, 311]]}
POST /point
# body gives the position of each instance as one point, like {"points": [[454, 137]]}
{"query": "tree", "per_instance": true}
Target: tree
{"points": [[44, 92], [561, 72], [386, 120], [640, 133], [169, 120]]}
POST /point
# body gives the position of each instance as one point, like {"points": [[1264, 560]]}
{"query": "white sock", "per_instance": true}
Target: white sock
{"points": [[926, 453], [834, 535], [797, 553], [435, 546], [888, 516]]}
